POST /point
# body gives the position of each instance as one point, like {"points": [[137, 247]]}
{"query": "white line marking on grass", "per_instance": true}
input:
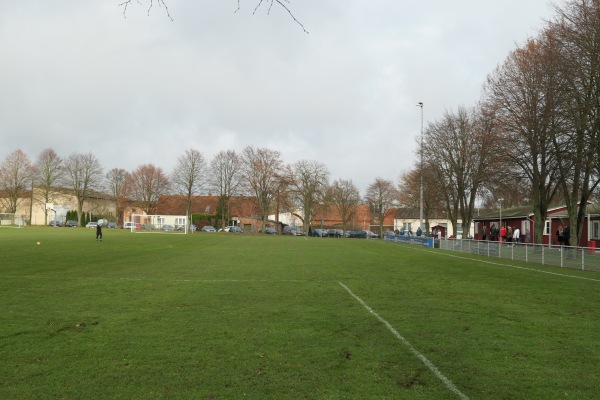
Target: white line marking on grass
{"points": [[420, 356]]}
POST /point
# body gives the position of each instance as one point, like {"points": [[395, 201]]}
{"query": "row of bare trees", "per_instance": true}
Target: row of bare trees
{"points": [[533, 139], [256, 172]]}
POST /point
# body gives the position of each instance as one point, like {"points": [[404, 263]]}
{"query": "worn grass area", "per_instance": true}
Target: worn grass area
{"points": [[225, 316]]}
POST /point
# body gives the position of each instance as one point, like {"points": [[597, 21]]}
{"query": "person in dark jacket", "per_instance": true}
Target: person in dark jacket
{"points": [[98, 232], [567, 236]]}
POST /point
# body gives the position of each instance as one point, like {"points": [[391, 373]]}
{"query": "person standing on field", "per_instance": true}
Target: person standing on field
{"points": [[98, 232], [493, 233], [516, 235], [502, 234], [560, 238]]}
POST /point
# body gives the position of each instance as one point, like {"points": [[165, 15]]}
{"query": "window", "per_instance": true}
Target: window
{"points": [[547, 228], [595, 230]]}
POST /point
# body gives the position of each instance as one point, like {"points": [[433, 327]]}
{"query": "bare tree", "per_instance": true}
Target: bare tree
{"points": [[573, 40], [115, 183], [522, 94], [145, 185], [512, 187], [310, 183], [260, 170], [48, 170], [188, 177], [83, 174], [285, 199], [458, 149], [382, 197], [344, 196], [225, 176], [409, 194], [16, 173]]}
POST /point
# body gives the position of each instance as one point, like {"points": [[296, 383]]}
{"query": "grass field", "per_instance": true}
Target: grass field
{"points": [[227, 316]]}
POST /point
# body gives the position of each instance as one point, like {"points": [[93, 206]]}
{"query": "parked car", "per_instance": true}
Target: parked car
{"points": [[129, 225], [292, 230], [111, 225], [208, 228], [270, 231], [318, 232], [389, 234], [371, 235], [167, 228], [335, 233], [71, 223], [352, 233], [91, 224], [363, 234], [232, 228], [55, 223]]}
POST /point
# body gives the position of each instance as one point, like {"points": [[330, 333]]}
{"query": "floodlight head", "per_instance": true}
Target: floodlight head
{"points": [[420, 104]]}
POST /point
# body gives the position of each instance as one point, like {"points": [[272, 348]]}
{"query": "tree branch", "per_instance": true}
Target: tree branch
{"points": [[160, 3], [281, 3]]}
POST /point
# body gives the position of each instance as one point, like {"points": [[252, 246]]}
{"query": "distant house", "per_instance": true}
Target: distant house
{"points": [[32, 206], [243, 211], [330, 218], [406, 218], [523, 218]]}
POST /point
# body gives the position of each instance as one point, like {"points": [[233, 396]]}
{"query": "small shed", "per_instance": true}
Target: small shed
{"points": [[522, 217], [517, 217]]}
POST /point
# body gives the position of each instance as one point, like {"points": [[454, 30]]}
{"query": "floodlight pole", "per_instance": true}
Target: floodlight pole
{"points": [[420, 104]]}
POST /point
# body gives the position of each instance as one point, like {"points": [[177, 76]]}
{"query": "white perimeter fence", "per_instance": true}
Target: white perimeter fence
{"points": [[584, 258]]}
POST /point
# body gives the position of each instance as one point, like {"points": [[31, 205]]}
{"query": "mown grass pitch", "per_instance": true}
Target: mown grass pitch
{"points": [[227, 316]]}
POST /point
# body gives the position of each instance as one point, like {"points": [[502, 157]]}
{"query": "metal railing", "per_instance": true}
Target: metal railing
{"points": [[584, 258]]}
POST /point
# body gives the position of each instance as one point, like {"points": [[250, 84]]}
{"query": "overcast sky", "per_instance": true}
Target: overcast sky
{"points": [[78, 77]]}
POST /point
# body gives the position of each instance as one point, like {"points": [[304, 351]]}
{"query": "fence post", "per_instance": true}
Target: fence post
{"points": [[582, 259], [561, 256], [543, 254]]}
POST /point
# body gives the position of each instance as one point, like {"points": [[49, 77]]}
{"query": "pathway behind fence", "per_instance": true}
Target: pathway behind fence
{"points": [[584, 258]]}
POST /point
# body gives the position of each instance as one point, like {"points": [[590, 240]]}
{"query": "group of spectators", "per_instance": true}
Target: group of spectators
{"points": [[408, 232], [513, 235], [563, 236], [504, 234]]}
